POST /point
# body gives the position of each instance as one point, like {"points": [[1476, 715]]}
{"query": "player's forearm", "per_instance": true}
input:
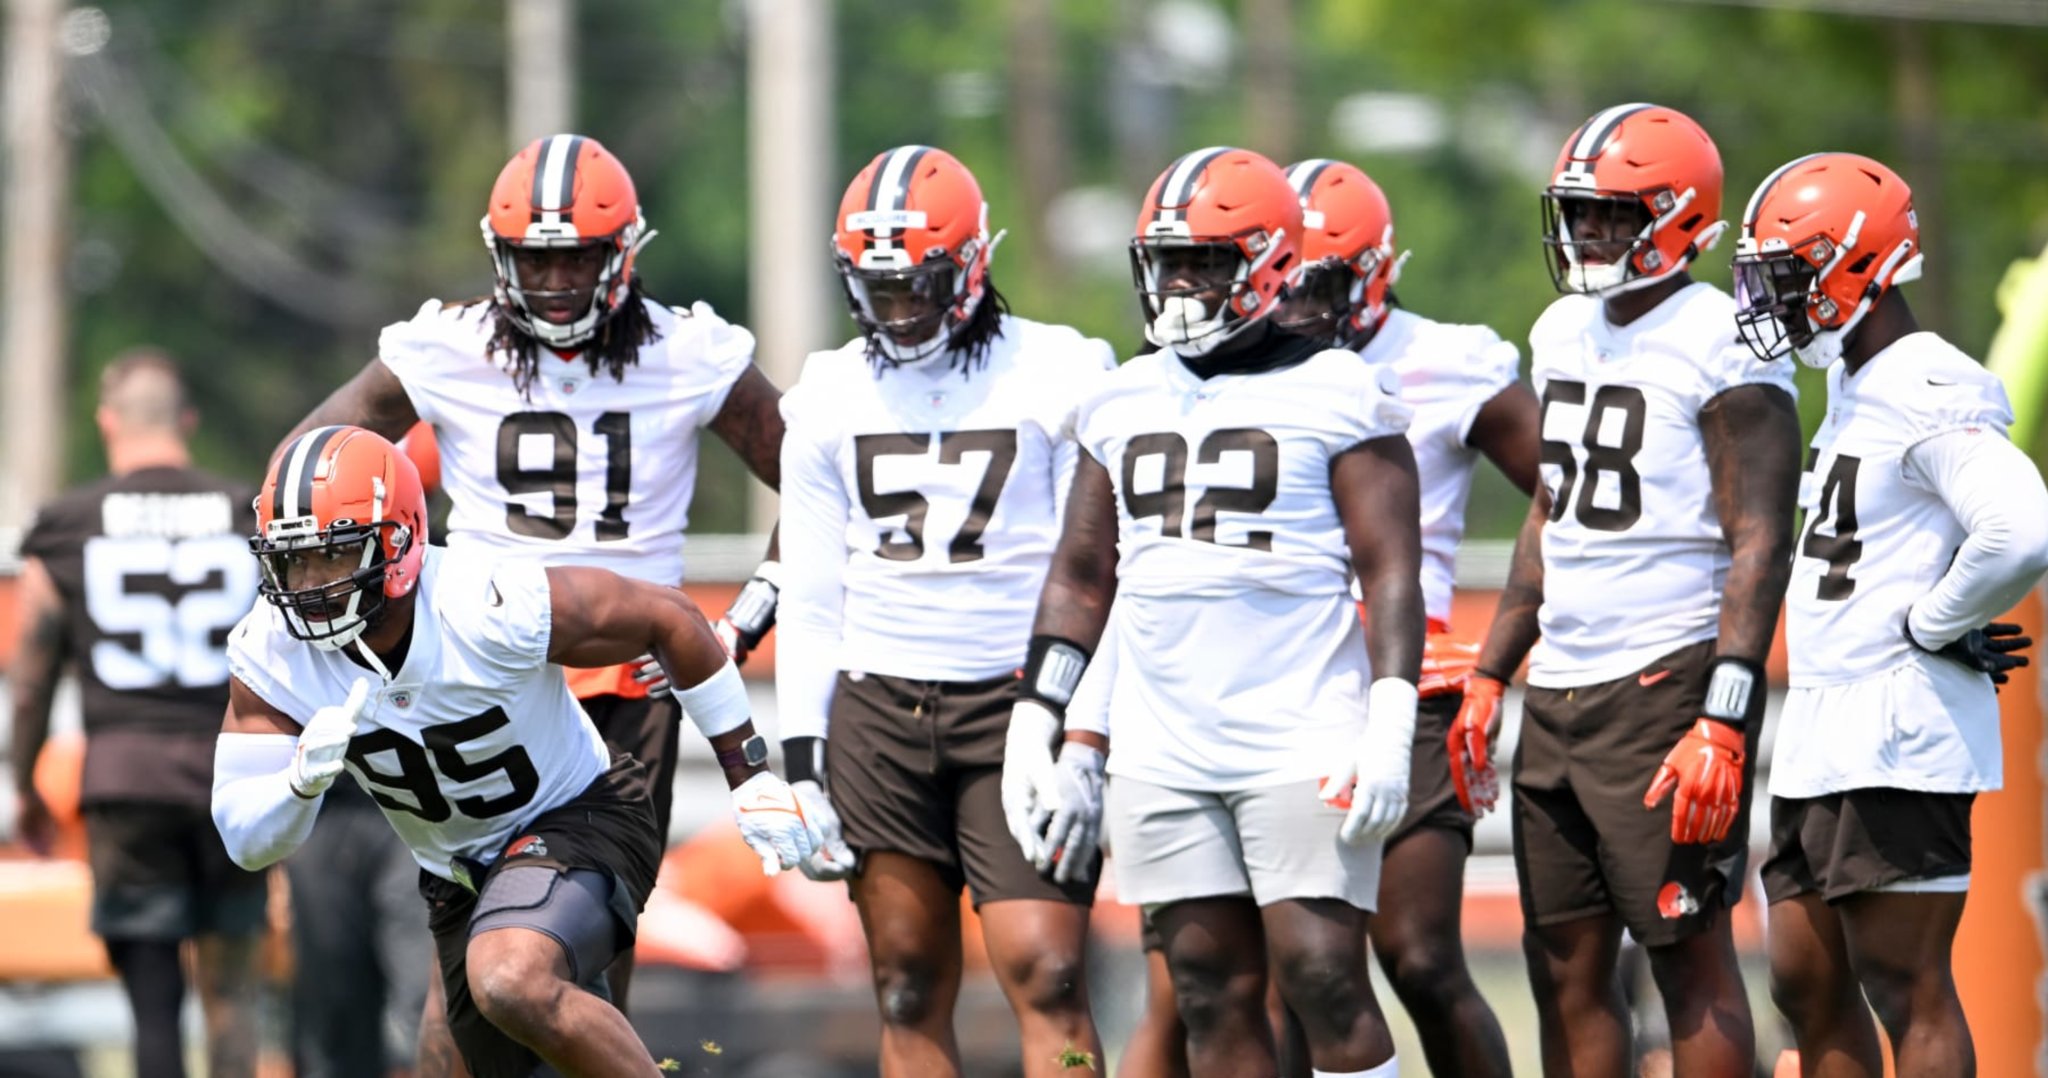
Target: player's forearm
{"points": [[1395, 623], [1515, 626], [34, 686], [260, 818], [1751, 434]]}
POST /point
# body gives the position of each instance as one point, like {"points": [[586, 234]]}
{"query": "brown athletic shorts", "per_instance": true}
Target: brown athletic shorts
{"points": [[1432, 800], [643, 727], [916, 767], [161, 872], [609, 828], [1584, 844], [1860, 840]]}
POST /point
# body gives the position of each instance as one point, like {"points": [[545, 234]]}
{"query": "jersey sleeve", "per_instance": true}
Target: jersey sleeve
{"points": [[1731, 364], [1368, 400], [512, 608], [252, 662], [724, 351], [808, 620], [1966, 399], [1093, 361], [1486, 366], [409, 350], [52, 532]]}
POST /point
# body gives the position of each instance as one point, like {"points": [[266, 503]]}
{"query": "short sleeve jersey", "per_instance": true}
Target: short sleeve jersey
{"points": [[1633, 555], [475, 733], [586, 469]]}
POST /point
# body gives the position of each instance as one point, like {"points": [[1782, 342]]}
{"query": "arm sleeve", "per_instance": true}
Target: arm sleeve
{"points": [[1997, 495], [261, 821], [814, 512]]}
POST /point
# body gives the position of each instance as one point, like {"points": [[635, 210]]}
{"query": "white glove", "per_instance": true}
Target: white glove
{"points": [[1378, 766], [1030, 778], [1074, 816], [323, 743], [832, 859], [772, 822], [647, 671]]}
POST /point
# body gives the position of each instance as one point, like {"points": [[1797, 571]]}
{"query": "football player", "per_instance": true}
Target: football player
{"points": [[1652, 563], [1461, 381], [1923, 523], [135, 579], [567, 408], [1232, 482], [925, 467], [435, 680]]}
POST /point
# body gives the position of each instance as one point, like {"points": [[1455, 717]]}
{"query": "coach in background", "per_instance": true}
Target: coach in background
{"points": [[136, 579]]}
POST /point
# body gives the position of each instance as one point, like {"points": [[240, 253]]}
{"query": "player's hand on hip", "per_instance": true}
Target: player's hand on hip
{"points": [[772, 822], [648, 671], [323, 743], [1073, 827], [1375, 775], [1993, 650], [832, 859], [1030, 777], [1703, 772], [1470, 744]]}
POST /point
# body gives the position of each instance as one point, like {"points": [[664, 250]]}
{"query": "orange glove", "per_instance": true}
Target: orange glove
{"points": [[1470, 744], [1446, 665], [1706, 769]]}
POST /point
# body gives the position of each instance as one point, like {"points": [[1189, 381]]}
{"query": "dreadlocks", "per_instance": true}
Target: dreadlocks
{"points": [[970, 343], [614, 347]]}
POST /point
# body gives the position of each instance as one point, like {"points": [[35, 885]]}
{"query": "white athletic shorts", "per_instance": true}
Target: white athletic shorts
{"points": [[1272, 844]]}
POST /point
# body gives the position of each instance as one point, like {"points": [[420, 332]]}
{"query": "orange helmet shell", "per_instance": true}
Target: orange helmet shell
{"points": [[564, 191], [915, 213], [333, 478], [1655, 156], [1847, 216], [1226, 195], [1346, 220]]}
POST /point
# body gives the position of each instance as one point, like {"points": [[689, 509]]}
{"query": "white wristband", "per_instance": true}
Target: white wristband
{"points": [[1390, 706], [718, 704]]}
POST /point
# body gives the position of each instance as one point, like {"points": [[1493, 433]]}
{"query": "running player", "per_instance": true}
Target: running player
{"points": [[434, 680], [1653, 563], [1232, 482], [1923, 523], [567, 407], [925, 469], [136, 579]]}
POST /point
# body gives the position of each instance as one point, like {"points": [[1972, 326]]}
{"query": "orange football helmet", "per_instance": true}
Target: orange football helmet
{"points": [[1822, 239], [1347, 252], [1653, 166], [341, 527], [912, 249], [1217, 245], [564, 191]]}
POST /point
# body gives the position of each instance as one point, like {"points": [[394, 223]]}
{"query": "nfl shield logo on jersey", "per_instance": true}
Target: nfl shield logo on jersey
{"points": [[401, 698], [570, 386]]}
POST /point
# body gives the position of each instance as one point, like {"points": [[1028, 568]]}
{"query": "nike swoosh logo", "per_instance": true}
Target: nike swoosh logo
{"points": [[1652, 677], [496, 599], [1939, 382]]}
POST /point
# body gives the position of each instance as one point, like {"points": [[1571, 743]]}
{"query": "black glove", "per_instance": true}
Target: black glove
{"points": [[1993, 649]]}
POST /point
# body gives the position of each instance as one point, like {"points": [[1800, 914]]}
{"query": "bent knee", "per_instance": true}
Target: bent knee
{"points": [[1050, 982], [514, 990]]}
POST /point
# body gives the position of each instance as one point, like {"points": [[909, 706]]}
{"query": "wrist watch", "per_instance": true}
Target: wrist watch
{"points": [[753, 752]]}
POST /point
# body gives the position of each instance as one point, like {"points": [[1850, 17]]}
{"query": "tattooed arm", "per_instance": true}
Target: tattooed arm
{"points": [[374, 399], [37, 665], [751, 423], [1752, 438]]}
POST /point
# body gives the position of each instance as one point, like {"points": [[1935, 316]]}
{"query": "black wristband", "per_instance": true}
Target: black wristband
{"points": [[803, 759], [1736, 690], [1052, 671]]}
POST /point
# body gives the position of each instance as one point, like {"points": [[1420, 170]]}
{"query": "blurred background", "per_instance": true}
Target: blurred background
{"points": [[257, 188]]}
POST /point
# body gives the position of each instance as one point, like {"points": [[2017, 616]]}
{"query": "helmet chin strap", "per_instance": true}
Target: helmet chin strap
{"points": [[369, 655], [1827, 345]]}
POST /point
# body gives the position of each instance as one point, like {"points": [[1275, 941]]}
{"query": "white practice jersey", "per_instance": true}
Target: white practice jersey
{"points": [[1448, 373], [921, 504], [1874, 539], [475, 735], [586, 470], [1633, 555], [1238, 657]]}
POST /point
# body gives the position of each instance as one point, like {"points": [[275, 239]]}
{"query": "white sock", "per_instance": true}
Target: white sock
{"points": [[1390, 1069]]}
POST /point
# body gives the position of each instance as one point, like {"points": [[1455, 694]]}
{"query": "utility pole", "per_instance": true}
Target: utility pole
{"points": [[32, 348], [789, 161], [540, 69]]}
